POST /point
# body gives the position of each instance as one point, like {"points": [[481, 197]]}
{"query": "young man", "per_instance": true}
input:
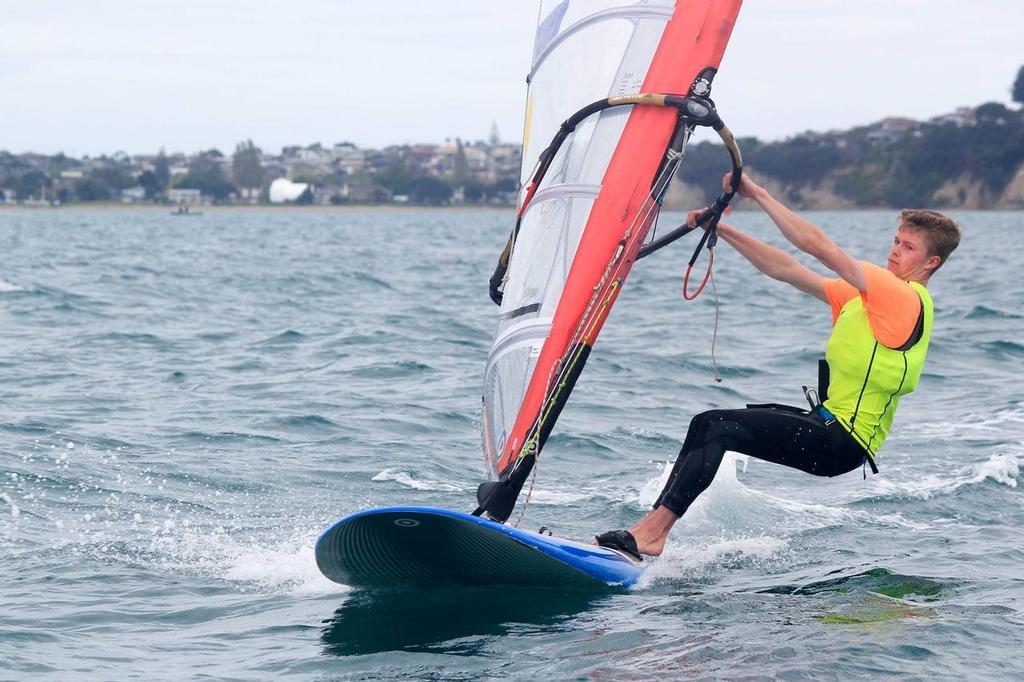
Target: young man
{"points": [[882, 321]]}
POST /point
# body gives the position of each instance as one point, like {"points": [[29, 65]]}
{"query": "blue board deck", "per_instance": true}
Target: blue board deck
{"points": [[397, 546]]}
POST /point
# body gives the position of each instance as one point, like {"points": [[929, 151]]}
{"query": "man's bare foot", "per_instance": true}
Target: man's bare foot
{"points": [[652, 531], [649, 545]]}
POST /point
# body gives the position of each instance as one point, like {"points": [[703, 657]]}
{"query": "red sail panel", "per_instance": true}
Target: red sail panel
{"points": [[694, 39]]}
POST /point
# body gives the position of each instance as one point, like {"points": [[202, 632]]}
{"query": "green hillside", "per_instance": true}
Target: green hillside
{"points": [[971, 158]]}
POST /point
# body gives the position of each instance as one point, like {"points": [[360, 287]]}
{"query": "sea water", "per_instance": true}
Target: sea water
{"points": [[188, 401]]}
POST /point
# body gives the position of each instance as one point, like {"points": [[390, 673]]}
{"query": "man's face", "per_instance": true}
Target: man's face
{"points": [[909, 258]]}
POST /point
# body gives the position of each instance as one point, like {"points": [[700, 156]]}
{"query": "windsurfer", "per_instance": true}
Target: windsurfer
{"points": [[881, 327]]}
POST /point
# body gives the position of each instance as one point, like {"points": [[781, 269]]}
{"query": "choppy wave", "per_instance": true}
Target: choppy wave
{"points": [[410, 481], [1003, 468], [13, 509], [986, 424], [1003, 348], [982, 312], [286, 337], [9, 287]]}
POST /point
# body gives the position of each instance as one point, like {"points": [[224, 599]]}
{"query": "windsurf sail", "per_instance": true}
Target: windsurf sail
{"points": [[616, 87]]}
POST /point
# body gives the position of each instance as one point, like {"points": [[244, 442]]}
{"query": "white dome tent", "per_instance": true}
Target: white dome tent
{"points": [[284, 190]]}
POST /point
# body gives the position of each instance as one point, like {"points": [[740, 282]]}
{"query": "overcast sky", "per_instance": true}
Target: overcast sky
{"points": [[98, 76]]}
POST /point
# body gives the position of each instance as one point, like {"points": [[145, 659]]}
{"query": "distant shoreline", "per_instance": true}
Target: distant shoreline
{"points": [[198, 210], [172, 209]]}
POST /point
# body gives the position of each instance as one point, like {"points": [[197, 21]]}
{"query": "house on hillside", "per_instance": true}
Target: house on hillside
{"points": [[963, 117], [348, 158], [892, 129], [188, 197], [134, 195]]}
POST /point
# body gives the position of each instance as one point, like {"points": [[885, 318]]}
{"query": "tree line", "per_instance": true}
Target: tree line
{"points": [[105, 181]]}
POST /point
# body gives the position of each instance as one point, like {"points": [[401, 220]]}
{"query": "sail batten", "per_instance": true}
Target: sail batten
{"points": [[632, 13]]}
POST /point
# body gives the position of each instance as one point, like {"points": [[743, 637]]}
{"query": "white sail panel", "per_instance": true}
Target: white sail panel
{"points": [[585, 51]]}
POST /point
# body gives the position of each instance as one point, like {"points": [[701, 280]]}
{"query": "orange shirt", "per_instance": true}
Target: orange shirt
{"points": [[892, 305]]}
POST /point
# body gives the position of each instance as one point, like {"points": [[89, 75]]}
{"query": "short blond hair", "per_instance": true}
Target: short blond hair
{"points": [[941, 234]]}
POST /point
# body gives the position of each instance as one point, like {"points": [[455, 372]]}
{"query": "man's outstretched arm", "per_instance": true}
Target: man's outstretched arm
{"points": [[773, 262], [805, 235]]}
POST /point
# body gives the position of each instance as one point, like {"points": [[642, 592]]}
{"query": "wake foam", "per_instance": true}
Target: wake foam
{"points": [[90, 503], [732, 525], [728, 525], [251, 564], [698, 559], [728, 503]]}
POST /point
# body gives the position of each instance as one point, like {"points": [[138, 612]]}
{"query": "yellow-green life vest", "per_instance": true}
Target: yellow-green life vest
{"points": [[867, 379]]}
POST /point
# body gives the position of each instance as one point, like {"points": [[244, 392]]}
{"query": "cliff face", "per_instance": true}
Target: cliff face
{"points": [[1013, 195], [962, 192], [971, 159]]}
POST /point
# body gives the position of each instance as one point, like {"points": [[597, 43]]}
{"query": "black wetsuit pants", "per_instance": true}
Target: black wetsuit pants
{"points": [[775, 433]]}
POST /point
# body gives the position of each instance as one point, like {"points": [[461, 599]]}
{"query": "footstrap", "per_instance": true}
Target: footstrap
{"points": [[621, 540]]}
